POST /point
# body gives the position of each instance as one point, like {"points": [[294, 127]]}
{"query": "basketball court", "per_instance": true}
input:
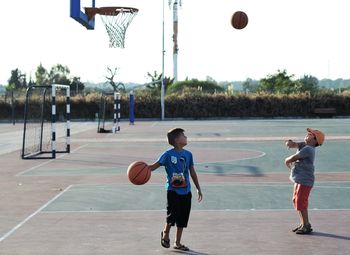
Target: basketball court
{"points": [[82, 202]]}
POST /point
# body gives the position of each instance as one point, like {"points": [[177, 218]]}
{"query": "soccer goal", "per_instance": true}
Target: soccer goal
{"points": [[46, 121], [109, 113]]}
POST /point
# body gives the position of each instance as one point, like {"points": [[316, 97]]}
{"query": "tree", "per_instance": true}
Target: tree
{"points": [[41, 76], [10, 88], [195, 86], [116, 86], [250, 86], [308, 84], [210, 79], [278, 83], [156, 82], [76, 85], [59, 74], [17, 80]]}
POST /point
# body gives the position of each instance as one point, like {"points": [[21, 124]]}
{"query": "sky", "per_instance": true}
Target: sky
{"points": [[303, 37]]}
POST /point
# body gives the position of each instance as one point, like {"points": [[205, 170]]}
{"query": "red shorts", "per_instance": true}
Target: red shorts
{"points": [[301, 196]]}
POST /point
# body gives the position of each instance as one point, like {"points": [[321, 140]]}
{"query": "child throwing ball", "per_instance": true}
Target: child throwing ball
{"points": [[302, 174]]}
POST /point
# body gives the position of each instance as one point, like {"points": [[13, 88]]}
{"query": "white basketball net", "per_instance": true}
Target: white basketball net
{"points": [[116, 26], [116, 21]]}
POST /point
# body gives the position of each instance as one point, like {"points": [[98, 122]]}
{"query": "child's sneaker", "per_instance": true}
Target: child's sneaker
{"points": [[306, 229], [297, 228]]}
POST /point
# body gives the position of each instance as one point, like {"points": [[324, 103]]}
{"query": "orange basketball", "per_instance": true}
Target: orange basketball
{"points": [[239, 20], [139, 173]]}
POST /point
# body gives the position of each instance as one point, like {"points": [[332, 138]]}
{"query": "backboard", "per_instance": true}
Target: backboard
{"points": [[77, 12]]}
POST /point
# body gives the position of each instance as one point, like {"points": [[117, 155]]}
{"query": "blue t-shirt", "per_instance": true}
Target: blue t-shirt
{"points": [[303, 171], [177, 162]]}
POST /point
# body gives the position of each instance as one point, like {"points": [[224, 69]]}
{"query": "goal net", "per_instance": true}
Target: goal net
{"points": [[46, 121], [109, 113]]}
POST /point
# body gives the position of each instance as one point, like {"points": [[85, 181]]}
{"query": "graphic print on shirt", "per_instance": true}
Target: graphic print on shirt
{"points": [[178, 179]]}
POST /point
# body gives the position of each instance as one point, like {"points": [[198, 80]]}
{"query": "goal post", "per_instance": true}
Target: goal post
{"points": [[66, 135], [109, 113], [46, 121]]}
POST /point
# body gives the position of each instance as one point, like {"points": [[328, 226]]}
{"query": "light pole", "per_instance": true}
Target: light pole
{"points": [[162, 93], [175, 33]]}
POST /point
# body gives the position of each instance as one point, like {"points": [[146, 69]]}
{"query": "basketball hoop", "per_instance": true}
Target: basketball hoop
{"points": [[116, 21]]}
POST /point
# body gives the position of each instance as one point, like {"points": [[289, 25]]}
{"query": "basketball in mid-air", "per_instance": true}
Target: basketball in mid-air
{"points": [[139, 173], [239, 20]]}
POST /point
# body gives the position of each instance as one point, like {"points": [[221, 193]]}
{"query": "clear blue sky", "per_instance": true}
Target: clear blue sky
{"points": [[301, 36]]}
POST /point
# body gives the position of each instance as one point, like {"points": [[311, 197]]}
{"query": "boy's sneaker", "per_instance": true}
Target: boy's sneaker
{"points": [[304, 230]]}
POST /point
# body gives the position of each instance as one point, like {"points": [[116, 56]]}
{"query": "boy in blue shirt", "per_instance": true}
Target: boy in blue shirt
{"points": [[302, 174], [178, 164]]}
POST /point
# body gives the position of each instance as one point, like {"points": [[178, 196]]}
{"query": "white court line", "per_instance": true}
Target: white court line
{"points": [[255, 139], [34, 167], [193, 210], [225, 183], [155, 124], [270, 184], [262, 154], [31, 216], [49, 161], [331, 187], [267, 184]]}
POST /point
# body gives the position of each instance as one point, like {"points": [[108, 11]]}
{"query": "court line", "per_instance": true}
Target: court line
{"points": [[250, 184], [268, 184], [37, 166], [317, 172], [273, 184], [261, 154], [331, 187], [193, 209], [32, 215], [156, 123], [49, 161], [256, 139]]}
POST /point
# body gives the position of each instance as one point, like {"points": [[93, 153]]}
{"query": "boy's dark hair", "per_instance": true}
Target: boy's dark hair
{"points": [[173, 134]]}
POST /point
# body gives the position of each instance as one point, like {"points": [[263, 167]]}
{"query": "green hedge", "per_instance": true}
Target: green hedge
{"points": [[221, 105], [197, 106]]}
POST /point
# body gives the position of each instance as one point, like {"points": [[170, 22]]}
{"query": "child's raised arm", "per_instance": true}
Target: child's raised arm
{"points": [[290, 144]]}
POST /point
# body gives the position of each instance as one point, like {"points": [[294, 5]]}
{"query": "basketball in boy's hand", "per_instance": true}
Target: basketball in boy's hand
{"points": [[139, 172], [239, 20]]}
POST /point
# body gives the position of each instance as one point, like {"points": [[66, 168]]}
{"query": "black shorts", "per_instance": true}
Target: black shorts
{"points": [[178, 209]]}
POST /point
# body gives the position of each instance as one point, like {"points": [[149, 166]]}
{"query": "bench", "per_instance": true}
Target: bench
{"points": [[325, 112]]}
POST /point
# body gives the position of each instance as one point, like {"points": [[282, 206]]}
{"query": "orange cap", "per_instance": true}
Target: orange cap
{"points": [[318, 134]]}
